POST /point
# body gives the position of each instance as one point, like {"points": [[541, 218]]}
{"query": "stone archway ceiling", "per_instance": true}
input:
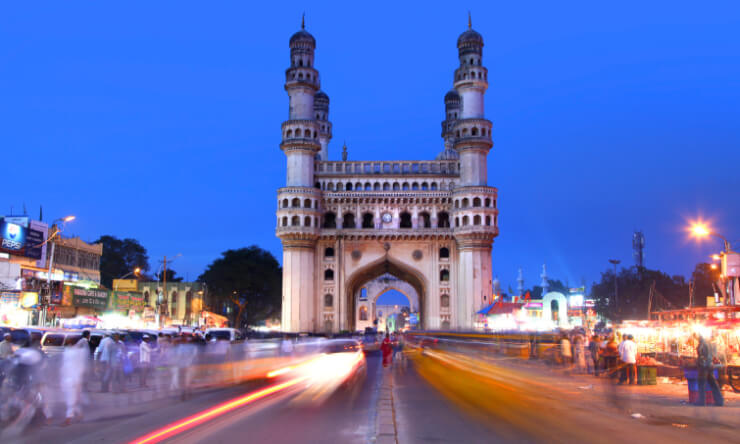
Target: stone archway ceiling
{"points": [[374, 272]]}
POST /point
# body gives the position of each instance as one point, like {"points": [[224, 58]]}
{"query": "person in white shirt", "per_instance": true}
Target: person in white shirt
{"points": [[145, 360], [628, 355]]}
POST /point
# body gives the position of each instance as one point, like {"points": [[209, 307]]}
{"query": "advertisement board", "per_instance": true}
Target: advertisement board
{"points": [[127, 300], [13, 232], [91, 298], [731, 264]]}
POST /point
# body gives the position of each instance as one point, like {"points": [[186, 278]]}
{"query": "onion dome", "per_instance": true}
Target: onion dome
{"points": [[452, 99], [321, 100], [470, 41], [302, 37], [448, 154]]}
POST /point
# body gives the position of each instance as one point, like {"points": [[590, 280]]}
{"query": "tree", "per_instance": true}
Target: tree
{"points": [[120, 257], [249, 280], [633, 299], [705, 279], [171, 276]]}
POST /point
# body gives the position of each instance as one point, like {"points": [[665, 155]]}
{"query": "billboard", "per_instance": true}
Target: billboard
{"points": [[731, 264], [13, 232], [127, 300], [84, 297]]}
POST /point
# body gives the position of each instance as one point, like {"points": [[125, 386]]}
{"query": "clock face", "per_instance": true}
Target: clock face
{"points": [[387, 218]]}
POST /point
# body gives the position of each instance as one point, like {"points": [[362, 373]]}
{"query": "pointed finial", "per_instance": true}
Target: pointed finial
{"points": [[303, 21], [470, 21], [344, 151]]}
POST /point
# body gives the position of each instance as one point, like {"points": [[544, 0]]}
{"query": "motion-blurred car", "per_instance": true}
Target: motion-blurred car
{"points": [[53, 342], [225, 334], [370, 343]]}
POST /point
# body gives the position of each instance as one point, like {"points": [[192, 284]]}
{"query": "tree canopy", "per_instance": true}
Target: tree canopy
{"points": [[120, 257], [249, 280], [171, 276]]}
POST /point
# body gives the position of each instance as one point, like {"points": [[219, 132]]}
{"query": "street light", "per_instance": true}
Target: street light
{"points": [[63, 220], [700, 230], [136, 272]]}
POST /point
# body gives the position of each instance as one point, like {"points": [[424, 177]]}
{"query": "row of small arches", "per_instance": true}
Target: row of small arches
{"points": [[424, 220], [300, 76], [306, 134], [299, 62], [296, 203], [385, 186], [295, 221], [474, 132], [477, 202], [480, 75], [444, 252], [476, 220]]}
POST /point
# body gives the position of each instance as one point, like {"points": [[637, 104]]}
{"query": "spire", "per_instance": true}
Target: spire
{"points": [[344, 152], [41, 213], [303, 21], [470, 21]]}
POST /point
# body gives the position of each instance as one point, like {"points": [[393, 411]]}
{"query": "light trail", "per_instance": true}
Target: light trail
{"points": [[199, 418]]}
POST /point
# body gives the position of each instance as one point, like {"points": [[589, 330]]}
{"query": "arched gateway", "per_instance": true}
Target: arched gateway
{"points": [[427, 225]]}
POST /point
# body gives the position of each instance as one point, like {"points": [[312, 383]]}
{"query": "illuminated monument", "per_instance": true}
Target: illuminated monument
{"points": [[352, 230]]}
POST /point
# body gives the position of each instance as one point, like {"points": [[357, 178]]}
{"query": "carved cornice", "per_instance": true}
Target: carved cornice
{"points": [[387, 234]]}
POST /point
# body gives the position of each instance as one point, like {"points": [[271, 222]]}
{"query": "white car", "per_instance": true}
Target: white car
{"points": [[225, 334]]}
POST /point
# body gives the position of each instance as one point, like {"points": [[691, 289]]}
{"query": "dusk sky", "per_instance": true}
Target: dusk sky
{"points": [[161, 120]]}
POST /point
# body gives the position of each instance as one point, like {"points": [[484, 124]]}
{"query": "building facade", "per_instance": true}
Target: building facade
{"points": [[344, 224]]}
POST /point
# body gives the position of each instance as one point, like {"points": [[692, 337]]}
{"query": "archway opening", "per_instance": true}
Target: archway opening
{"points": [[393, 312], [367, 285]]}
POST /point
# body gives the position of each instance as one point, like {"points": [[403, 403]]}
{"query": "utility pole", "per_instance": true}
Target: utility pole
{"points": [[164, 285], [615, 262]]}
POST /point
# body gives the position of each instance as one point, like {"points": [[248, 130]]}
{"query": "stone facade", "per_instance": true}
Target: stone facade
{"points": [[344, 224]]}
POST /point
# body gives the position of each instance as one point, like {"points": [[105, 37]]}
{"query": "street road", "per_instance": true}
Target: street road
{"points": [[433, 401]]}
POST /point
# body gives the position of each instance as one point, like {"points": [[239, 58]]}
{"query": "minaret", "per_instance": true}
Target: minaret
{"points": [[321, 109], [298, 202], [452, 109], [474, 202], [520, 283], [472, 130], [545, 284]]}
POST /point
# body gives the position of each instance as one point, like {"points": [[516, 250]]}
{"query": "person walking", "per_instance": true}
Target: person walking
{"points": [[6, 351], [103, 355], [593, 348], [628, 356], [145, 361], [387, 350], [74, 367], [705, 367], [611, 353], [579, 355], [566, 354]]}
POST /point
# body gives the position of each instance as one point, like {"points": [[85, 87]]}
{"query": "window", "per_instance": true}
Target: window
{"points": [[426, 220], [443, 220], [476, 219], [488, 202], [465, 203], [444, 301], [349, 186], [285, 221], [405, 220], [424, 186], [465, 221], [146, 297], [488, 220], [405, 186], [444, 275], [307, 221], [307, 203], [285, 203], [348, 221], [457, 221], [386, 186], [444, 253], [434, 186], [295, 221], [329, 275], [328, 252], [330, 220], [376, 187], [363, 313], [368, 187], [476, 202], [328, 301], [415, 186], [296, 202], [330, 186], [367, 221], [340, 186], [396, 187], [358, 186]]}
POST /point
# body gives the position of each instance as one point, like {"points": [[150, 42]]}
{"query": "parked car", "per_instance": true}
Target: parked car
{"points": [[53, 342], [226, 334]]}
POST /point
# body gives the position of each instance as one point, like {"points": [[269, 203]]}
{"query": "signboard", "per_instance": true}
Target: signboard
{"points": [[13, 234], [84, 297], [10, 297], [34, 239], [731, 264], [126, 300], [29, 299]]}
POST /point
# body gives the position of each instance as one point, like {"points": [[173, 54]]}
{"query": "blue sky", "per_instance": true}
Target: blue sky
{"points": [[161, 121]]}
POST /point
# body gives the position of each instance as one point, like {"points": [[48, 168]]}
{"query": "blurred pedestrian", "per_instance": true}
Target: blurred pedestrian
{"points": [[286, 347], [145, 361], [579, 355], [593, 348], [104, 353], [186, 353], [74, 366], [705, 365], [387, 350], [6, 351], [566, 354], [119, 359], [611, 354], [628, 356]]}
